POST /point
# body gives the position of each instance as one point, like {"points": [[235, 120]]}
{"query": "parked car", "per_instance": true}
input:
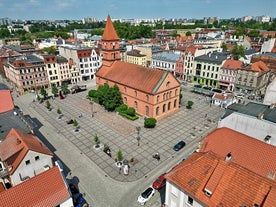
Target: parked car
{"points": [[159, 182], [79, 201], [179, 146], [70, 121], [145, 196]]}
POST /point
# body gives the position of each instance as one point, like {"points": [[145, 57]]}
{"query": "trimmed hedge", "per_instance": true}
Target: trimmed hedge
{"points": [[150, 122]]}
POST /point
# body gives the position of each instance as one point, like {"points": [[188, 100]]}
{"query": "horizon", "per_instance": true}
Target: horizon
{"points": [[123, 9]]}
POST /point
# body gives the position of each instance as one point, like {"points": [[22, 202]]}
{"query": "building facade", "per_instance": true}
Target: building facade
{"points": [[135, 57], [88, 60], [26, 73]]}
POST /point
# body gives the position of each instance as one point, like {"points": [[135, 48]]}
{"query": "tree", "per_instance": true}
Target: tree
{"points": [[75, 124], [190, 104], [224, 47], [54, 90], [50, 50], [238, 52], [59, 111], [119, 155], [149, 122], [48, 104], [188, 33], [43, 92], [4, 33], [96, 140], [64, 88]]}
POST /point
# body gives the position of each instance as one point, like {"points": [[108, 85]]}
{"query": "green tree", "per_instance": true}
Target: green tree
{"points": [[224, 47], [253, 33], [238, 52], [188, 33], [50, 50], [75, 123], [119, 155], [190, 104], [59, 111], [48, 104], [96, 140], [54, 90], [64, 88], [43, 92], [4, 33]]}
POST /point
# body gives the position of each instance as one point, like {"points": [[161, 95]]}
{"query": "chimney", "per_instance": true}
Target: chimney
{"points": [[228, 157]]}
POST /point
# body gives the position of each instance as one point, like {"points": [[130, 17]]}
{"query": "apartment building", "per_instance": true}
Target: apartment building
{"points": [[136, 57], [88, 60], [207, 68], [165, 61], [26, 73], [253, 78], [229, 71]]}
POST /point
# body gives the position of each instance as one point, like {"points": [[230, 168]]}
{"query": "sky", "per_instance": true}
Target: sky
{"points": [[145, 9]]}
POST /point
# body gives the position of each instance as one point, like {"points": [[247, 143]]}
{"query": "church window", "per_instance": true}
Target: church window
{"points": [[157, 111], [125, 89], [157, 99], [135, 93], [135, 105], [147, 111], [164, 108], [147, 97], [174, 104], [176, 91], [169, 106], [168, 84], [125, 100]]}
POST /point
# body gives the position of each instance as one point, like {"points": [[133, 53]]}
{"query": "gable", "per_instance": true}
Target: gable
{"points": [[167, 83]]}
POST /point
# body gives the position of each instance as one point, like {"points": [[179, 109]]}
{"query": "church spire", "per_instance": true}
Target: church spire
{"points": [[110, 44]]}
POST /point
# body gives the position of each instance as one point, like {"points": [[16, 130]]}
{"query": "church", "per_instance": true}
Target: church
{"points": [[151, 92]]}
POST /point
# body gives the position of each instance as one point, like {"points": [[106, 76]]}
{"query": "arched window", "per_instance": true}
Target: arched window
{"points": [[168, 84], [164, 108], [135, 92], [176, 91], [125, 100], [147, 97], [174, 104], [167, 96], [125, 89], [157, 111], [157, 99], [170, 94], [169, 106], [164, 97], [147, 111], [135, 105]]}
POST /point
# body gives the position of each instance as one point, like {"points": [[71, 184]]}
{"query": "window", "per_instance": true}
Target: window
{"points": [[147, 111], [135, 105], [157, 111], [28, 162], [174, 104], [147, 97], [190, 201], [36, 158], [135, 93], [168, 84], [169, 106], [125, 100], [157, 99], [164, 108]]}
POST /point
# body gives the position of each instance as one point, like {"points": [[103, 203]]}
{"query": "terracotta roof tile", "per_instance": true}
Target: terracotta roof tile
{"points": [[235, 185], [109, 31], [6, 102], [221, 96], [246, 151], [134, 76], [16, 145], [232, 64], [45, 189]]}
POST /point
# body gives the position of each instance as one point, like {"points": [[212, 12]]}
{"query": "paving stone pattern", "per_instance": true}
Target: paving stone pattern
{"points": [[120, 133]]}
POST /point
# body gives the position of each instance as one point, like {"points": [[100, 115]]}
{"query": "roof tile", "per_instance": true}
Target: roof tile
{"points": [[109, 31]]}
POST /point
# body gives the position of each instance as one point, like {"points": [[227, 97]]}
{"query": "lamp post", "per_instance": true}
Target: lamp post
{"points": [[138, 135], [92, 108]]}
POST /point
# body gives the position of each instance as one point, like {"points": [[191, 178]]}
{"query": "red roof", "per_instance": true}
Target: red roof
{"points": [[222, 97], [259, 67], [6, 102], [251, 153], [109, 31], [16, 145], [133, 76], [227, 183], [232, 64], [45, 189]]}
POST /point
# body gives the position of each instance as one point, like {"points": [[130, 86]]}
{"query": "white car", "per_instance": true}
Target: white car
{"points": [[145, 196]]}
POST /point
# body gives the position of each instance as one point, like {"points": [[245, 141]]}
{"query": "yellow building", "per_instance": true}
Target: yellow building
{"points": [[135, 57]]}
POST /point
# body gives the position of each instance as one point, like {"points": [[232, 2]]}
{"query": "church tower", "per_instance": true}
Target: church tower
{"points": [[110, 44]]}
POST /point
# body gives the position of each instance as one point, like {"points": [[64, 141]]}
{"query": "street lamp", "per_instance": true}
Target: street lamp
{"points": [[138, 135], [92, 108]]}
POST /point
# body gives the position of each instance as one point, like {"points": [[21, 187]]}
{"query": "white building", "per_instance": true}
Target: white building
{"points": [[88, 60]]}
